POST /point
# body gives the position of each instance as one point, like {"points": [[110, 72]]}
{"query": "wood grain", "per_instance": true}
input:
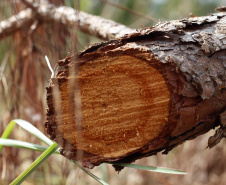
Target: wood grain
{"points": [[124, 105]]}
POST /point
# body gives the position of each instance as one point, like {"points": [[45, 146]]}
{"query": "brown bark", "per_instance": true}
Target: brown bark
{"points": [[145, 93]]}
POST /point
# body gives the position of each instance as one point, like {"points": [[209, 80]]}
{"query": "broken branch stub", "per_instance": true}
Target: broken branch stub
{"points": [[147, 92]]}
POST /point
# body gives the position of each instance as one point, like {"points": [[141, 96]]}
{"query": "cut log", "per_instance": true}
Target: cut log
{"points": [[147, 92]]}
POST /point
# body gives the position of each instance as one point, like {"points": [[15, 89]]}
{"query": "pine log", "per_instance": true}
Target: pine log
{"points": [[144, 93]]}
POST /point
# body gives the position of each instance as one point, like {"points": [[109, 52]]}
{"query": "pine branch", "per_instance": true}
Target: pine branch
{"points": [[16, 22], [90, 24]]}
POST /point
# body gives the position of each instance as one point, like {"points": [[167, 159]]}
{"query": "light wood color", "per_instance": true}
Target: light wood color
{"points": [[124, 105]]}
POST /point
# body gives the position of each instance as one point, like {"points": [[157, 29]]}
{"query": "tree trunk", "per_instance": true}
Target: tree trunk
{"points": [[147, 92]]}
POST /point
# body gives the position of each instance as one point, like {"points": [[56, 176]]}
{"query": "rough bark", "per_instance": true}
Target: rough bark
{"points": [[147, 92]]}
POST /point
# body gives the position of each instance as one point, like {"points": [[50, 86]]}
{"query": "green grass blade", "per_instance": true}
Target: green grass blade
{"points": [[149, 168], [24, 145], [89, 173], [35, 164], [28, 127], [104, 173], [33, 130], [7, 132], [31, 146]]}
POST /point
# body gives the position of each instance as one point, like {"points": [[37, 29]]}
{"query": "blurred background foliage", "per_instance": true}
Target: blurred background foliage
{"points": [[24, 76]]}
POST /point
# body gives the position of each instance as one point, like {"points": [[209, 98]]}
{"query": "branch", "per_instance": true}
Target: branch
{"points": [[142, 94], [16, 22], [93, 25]]}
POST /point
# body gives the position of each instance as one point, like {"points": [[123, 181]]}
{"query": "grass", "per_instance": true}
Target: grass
{"points": [[54, 148]]}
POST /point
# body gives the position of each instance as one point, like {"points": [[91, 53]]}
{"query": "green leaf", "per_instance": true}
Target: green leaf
{"points": [[21, 144], [28, 127], [33, 130], [35, 164], [7, 132], [31, 146], [89, 173], [149, 168], [24, 145]]}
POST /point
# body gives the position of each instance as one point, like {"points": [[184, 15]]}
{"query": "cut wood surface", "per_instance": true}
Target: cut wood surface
{"points": [[146, 92]]}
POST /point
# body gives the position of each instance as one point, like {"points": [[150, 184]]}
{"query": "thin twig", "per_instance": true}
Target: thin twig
{"points": [[130, 10], [50, 67]]}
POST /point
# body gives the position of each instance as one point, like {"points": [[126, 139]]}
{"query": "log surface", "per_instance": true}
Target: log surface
{"points": [[147, 92]]}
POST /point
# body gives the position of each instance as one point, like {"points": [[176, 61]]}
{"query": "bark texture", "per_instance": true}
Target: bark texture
{"points": [[147, 92]]}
